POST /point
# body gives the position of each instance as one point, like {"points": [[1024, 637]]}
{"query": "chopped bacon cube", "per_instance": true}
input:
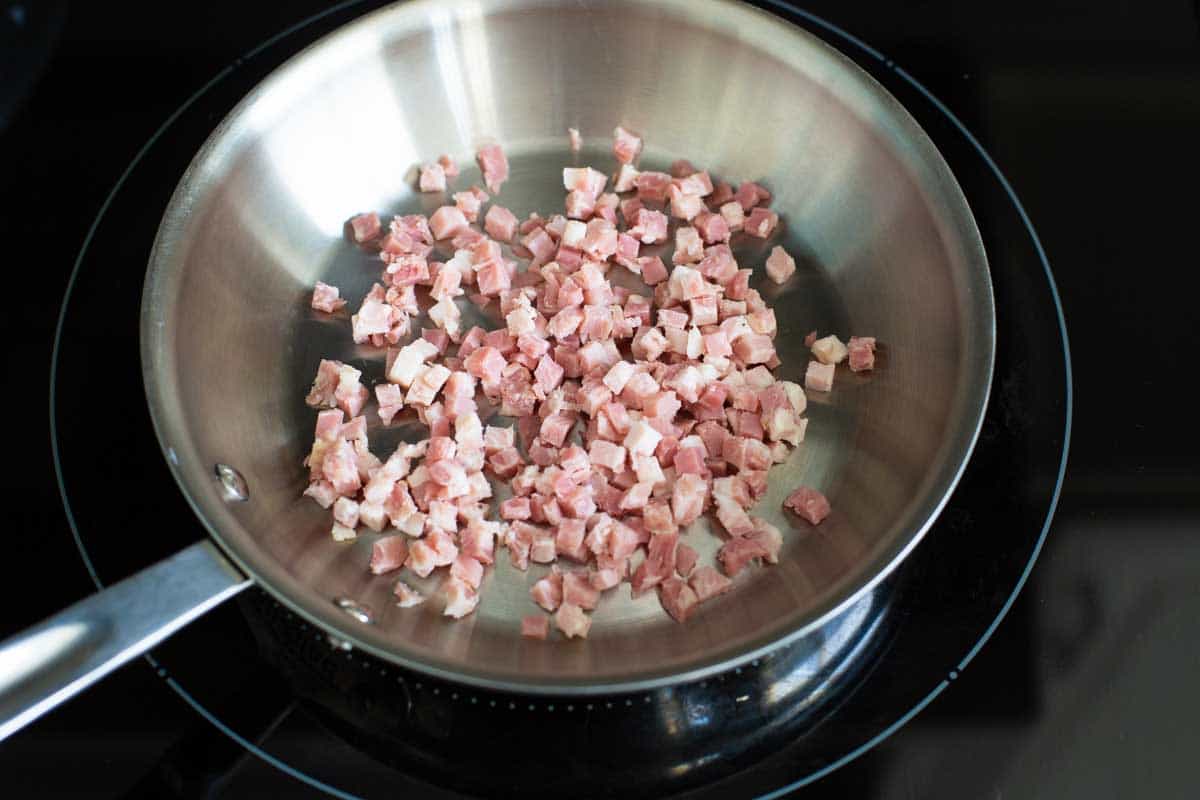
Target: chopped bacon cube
{"points": [[535, 626], [677, 598], [515, 508], [810, 504], [687, 498], [780, 265], [446, 222], [736, 553], [325, 297], [653, 186], [364, 227], [862, 353], [500, 223], [829, 350], [433, 178], [571, 620], [470, 201], [626, 146], [754, 348], [689, 248], [684, 206], [819, 377], [713, 228], [707, 583], [761, 223], [406, 596], [494, 165], [449, 166], [461, 598], [468, 570]]}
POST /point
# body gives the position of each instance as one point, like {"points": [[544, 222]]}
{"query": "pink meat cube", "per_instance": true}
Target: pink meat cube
{"points": [[607, 454], [494, 165], [506, 463], [736, 553], [687, 498], [684, 206], [677, 598], [577, 590], [689, 248], [697, 183], [433, 178], [707, 583], [461, 598], [780, 265], [388, 553], [572, 621], [654, 271], [468, 570], [810, 504], [761, 222], [754, 348], [749, 195], [406, 596], [769, 537], [448, 166], [717, 344], [653, 186], [579, 205], [626, 146], [446, 222], [548, 374], [862, 353], [819, 377], [535, 626], [325, 298], [500, 223], [486, 363], [569, 539], [703, 310], [555, 428], [364, 227], [722, 193], [515, 508]]}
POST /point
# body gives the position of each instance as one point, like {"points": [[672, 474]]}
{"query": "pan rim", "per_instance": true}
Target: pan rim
{"points": [[878, 568]]}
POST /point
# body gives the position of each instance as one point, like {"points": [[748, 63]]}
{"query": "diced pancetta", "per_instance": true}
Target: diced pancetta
{"points": [[861, 351], [780, 265], [809, 504], [494, 165], [433, 178], [626, 146], [572, 621], [819, 377]]}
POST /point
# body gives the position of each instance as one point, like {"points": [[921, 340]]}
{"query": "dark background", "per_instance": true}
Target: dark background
{"points": [[1092, 109]]}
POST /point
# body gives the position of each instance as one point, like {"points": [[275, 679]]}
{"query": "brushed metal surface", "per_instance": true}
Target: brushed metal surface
{"points": [[51, 662], [885, 242]]}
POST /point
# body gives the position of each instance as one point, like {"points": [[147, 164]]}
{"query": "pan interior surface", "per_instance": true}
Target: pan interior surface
{"points": [[884, 241]]}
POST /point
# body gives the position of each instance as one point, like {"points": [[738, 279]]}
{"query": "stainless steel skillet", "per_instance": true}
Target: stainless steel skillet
{"points": [[887, 248]]}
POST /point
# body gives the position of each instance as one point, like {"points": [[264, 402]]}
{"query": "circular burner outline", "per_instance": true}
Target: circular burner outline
{"points": [[785, 10]]}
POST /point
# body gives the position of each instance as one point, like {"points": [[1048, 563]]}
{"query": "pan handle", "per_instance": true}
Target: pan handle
{"points": [[52, 661]]}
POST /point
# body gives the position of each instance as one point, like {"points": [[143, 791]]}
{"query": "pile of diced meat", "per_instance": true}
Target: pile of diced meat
{"points": [[635, 411]]}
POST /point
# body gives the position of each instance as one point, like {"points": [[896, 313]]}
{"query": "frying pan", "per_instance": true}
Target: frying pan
{"points": [[886, 247]]}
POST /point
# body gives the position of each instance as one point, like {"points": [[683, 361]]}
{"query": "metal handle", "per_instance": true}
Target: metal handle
{"points": [[52, 661]]}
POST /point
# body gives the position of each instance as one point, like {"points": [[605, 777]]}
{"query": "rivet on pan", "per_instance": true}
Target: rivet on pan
{"points": [[338, 644], [232, 482], [356, 610]]}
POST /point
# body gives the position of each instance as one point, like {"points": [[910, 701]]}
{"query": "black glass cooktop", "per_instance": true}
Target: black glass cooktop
{"points": [[973, 673]]}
